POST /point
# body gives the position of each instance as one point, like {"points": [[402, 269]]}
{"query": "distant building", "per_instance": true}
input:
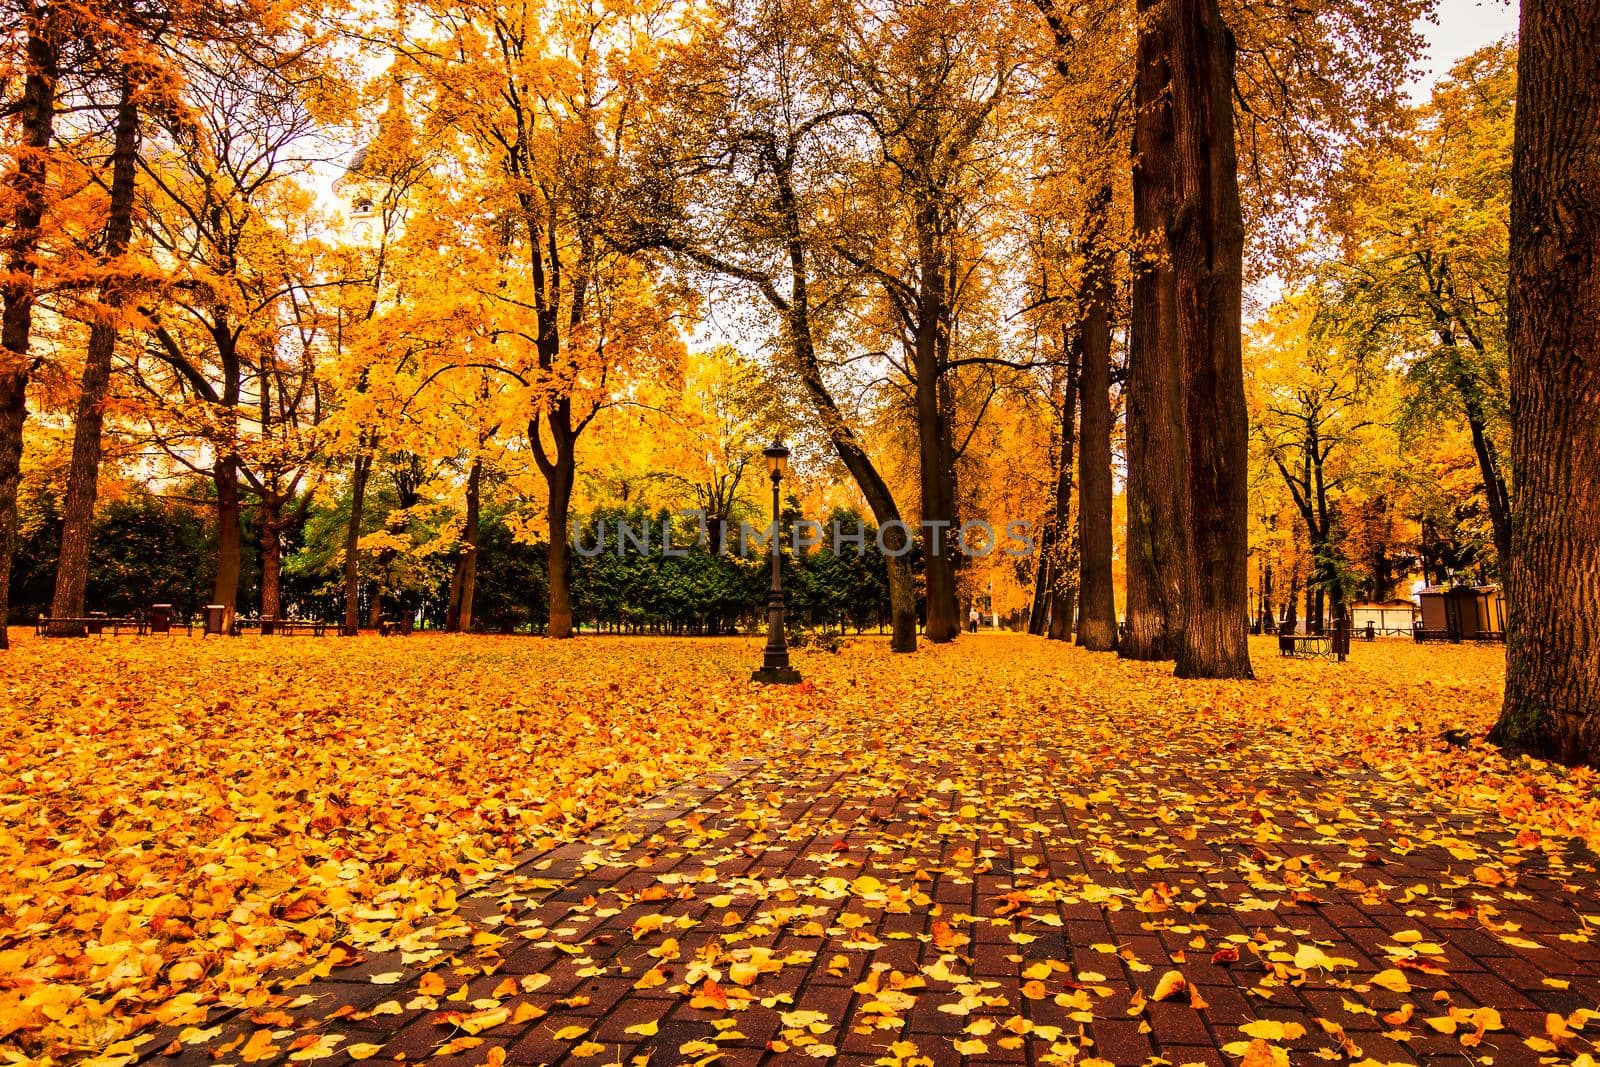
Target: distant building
{"points": [[1388, 618], [1461, 613]]}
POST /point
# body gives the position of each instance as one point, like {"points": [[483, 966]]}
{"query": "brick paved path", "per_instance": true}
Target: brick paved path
{"points": [[936, 899]]}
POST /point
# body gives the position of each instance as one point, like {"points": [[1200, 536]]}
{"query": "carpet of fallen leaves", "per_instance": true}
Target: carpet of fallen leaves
{"points": [[180, 817], [189, 826]]}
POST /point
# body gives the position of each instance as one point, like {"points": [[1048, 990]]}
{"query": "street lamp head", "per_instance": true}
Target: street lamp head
{"points": [[777, 459]]}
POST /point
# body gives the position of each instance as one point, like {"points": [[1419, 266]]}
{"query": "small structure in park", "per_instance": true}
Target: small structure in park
{"points": [[1461, 613], [1384, 618]]}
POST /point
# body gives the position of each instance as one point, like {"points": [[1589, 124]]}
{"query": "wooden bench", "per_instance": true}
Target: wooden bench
{"points": [[285, 627], [84, 625], [314, 627]]}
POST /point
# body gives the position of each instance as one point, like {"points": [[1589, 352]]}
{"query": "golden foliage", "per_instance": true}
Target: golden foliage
{"points": [[193, 823]]}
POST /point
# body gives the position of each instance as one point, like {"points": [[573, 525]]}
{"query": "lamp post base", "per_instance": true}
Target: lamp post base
{"points": [[776, 676]]}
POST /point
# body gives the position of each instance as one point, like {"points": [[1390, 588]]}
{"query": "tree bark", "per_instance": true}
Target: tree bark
{"points": [[1552, 699], [29, 185], [942, 620], [1208, 261], [360, 473], [1097, 619], [1157, 490], [560, 571], [464, 580], [270, 515], [1062, 592], [1063, 604], [230, 538], [83, 475], [1038, 611]]}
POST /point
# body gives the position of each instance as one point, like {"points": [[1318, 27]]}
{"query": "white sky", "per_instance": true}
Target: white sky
{"points": [[1463, 27]]}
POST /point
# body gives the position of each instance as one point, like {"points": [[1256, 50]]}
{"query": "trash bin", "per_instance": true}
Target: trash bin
{"points": [[1372, 631], [160, 618], [216, 618]]}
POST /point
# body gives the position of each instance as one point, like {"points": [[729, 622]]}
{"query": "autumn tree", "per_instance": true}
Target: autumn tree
{"points": [[381, 187], [30, 123], [750, 157], [550, 105], [1316, 408], [228, 371], [928, 81], [1552, 702], [72, 569], [1091, 88], [1421, 222]]}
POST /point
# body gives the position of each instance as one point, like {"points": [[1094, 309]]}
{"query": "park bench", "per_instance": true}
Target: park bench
{"points": [[1334, 646], [396, 627], [94, 623], [314, 627], [285, 627]]}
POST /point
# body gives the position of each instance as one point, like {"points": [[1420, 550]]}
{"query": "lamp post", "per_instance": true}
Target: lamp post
{"points": [[775, 669]]}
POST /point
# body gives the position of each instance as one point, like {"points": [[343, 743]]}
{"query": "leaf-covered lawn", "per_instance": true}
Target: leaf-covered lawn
{"points": [[187, 824]]}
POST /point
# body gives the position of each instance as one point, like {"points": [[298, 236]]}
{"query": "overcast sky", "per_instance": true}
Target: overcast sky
{"points": [[1463, 27]]}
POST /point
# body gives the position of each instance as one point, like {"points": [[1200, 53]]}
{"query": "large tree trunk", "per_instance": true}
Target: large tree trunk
{"points": [[360, 473], [1552, 701], [28, 181], [270, 515], [83, 475], [1208, 260], [560, 572], [943, 614], [1097, 620], [1157, 491], [230, 538], [464, 580]]}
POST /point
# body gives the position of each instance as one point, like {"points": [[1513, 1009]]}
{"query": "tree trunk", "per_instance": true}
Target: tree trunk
{"points": [[1208, 260], [1552, 701], [271, 518], [83, 475], [1494, 483], [29, 180], [885, 512], [1157, 490], [1266, 591], [1063, 603], [943, 616], [1062, 592], [359, 475], [1038, 612], [230, 538], [1291, 604], [1097, 621], [464, 580], [560, 572]]}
